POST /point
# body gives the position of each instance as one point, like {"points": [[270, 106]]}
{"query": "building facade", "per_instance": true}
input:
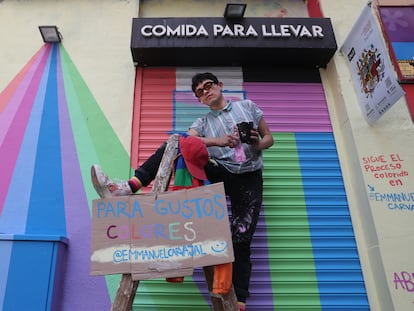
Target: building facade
{"points": [[335, 230]]}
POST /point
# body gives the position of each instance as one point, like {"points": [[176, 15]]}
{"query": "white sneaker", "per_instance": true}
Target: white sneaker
{"points": [[105, 187]]}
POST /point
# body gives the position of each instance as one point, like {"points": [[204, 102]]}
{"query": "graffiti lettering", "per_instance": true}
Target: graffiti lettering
{"points": [[174, 231], [404, 280], [197, 207], [386, 167], [120, 208]]}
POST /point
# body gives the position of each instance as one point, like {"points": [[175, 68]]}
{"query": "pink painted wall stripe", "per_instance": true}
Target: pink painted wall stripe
{"points": [[11, 88], [12, 107], [10, 146], [16, 205]]}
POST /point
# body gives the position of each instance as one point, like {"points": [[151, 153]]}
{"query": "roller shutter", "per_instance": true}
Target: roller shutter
{"points": [[304, 252]]}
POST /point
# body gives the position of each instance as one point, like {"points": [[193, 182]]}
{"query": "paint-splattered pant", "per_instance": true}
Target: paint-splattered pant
{"points": [[245, 192]]}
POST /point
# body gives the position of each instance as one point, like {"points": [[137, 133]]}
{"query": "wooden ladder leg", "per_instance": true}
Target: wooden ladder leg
{"points": [[127, 289], [125, 294], [163, 177], [225, 302]]}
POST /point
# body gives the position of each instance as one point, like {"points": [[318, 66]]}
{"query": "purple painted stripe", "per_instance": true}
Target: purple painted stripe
{"points": [[14, 216], [186, 97], [77, 282], [10, 146], [291, 107]]}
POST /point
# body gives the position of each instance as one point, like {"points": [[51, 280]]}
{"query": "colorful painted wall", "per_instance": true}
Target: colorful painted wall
{"points": [[304, 249], [54, 130], [63, 107], [49, 139], [46, 112]]}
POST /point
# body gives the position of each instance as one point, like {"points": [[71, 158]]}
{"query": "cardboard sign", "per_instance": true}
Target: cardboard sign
{"points": [[161, 235]]}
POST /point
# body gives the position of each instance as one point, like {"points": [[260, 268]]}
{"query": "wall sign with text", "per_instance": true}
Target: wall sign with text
{"points": [[219, 41]]}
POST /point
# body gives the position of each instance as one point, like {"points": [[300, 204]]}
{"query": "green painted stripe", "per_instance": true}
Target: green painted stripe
{"points": [[290, 252], [96, 141], [109, 150]]}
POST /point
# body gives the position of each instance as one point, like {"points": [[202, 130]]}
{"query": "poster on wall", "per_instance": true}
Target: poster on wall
{"points": [[372, 74]]}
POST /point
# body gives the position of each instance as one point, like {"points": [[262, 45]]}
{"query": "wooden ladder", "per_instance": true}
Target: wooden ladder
{"points": [[127, 288]]}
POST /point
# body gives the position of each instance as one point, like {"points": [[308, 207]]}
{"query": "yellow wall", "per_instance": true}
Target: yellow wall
{"points": [[96, 35], [384, 236], [208, 8]]}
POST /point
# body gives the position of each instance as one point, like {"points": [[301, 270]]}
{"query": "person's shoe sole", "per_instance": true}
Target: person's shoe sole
{"points": [[97, 183]]}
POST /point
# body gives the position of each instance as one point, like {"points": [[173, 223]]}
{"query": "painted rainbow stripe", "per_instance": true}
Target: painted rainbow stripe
{"points": [[51, 130]]}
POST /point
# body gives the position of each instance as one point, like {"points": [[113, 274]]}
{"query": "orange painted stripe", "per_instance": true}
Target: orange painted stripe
{"points": [[10, 89]]}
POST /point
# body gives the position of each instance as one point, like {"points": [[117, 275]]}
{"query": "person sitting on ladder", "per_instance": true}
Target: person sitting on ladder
{"points": [[238, 165]]}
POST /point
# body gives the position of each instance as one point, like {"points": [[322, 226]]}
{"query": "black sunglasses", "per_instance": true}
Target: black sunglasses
{"points": [[207, 86]]}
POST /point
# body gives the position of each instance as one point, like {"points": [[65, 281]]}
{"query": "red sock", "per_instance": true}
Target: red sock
{"points": [[135, 184]]}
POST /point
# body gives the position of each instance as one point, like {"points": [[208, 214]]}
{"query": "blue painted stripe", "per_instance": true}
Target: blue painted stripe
{"points": [[46, 210], [14, 216], [29, 263], [323, 186]]}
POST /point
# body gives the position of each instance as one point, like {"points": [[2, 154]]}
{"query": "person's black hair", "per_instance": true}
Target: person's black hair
{"points": [[200, 77]]}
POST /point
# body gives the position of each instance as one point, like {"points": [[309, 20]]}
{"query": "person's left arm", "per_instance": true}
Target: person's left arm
{"points": [[261, 137]]}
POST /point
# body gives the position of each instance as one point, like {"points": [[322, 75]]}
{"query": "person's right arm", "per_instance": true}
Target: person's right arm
{"points": [[223, 141]]}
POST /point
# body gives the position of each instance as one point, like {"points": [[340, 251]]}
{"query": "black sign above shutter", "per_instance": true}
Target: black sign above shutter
{"points": [[223, 42]]}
